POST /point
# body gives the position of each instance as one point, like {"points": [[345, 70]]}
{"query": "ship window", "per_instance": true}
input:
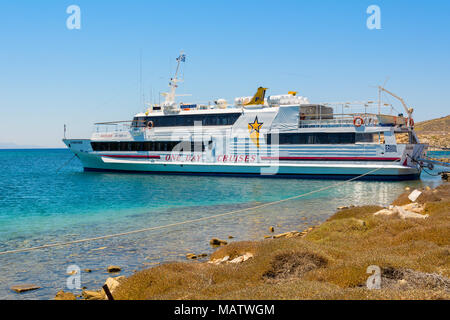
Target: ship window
{"points": [[402, 138], [314, 138], [375, 137], [367, 137], [167, 146], [188, 120]]}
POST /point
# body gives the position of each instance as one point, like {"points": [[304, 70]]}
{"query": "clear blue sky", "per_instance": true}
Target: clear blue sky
{"points": [[51, 76]]}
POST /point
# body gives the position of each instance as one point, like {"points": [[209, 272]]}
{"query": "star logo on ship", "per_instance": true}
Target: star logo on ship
{"points": [[254, 129], [255, 126]]}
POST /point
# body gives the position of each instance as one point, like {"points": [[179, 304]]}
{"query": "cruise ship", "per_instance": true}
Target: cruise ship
{"points": [[274, 136]]}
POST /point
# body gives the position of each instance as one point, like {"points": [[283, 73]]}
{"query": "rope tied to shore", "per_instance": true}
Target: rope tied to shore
{"points": [[60, 244], [66, 163]]}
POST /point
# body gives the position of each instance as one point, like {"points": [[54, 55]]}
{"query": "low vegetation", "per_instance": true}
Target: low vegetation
{"points": [[329, 262]]}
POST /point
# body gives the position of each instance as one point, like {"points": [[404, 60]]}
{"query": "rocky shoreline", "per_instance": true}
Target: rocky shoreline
{"points": [[436, 142], [407, 241]]}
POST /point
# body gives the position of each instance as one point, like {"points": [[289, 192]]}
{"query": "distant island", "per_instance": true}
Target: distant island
{"points": [[435, 132], [9, 145]]}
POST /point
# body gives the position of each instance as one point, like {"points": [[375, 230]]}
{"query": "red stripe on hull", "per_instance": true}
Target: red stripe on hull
{"points": [[333, 158], [130, 156]]}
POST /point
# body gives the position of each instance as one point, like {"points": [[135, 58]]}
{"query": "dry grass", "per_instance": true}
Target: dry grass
{"points": [[294, 265], [330, 262]]}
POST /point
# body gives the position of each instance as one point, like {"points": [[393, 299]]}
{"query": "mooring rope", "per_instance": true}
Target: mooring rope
{"points": [[65, 164], [59, 244]]}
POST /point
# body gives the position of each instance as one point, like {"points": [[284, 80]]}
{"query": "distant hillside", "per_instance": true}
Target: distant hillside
{"points": [[435, 132], [441, 125]]}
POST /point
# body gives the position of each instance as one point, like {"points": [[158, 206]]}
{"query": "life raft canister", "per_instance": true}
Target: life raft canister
{"points": [[150, 124], [358, 121]]}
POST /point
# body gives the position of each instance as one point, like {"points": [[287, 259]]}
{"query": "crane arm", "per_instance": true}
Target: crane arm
{"points": [[408, 111]]}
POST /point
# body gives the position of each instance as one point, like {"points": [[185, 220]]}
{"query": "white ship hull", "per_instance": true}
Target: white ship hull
{"points": [[296, 167]]}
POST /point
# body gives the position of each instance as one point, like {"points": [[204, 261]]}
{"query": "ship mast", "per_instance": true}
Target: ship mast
{"points": [[170, 96]]}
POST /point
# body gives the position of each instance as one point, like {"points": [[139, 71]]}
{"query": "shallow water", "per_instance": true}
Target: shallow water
{"points": [[39, 205]]}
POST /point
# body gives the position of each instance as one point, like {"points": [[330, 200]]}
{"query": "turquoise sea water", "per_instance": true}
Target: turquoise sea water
{"points": [[439, 154], [40, 205]]}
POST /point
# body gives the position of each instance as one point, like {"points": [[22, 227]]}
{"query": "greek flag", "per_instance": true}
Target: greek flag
{"points": [[182, 58], [390, 148]]}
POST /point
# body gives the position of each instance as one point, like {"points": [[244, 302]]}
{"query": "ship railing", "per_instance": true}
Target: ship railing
{"points": [[113, 126], [336, 120]]}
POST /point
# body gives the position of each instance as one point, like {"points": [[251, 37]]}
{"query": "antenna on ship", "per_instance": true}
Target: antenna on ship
{"points": [[175, 80], [169, 102], [379, 94], [141, 88]]}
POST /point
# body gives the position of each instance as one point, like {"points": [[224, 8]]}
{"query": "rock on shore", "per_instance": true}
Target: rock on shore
{"points": [[24, 288], [61, 295], [217, 242], [112, 283], [114, 269], [411, 210], [226, 259]]}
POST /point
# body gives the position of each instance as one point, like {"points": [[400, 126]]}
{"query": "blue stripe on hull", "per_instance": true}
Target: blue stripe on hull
{"points": [[287, 176]]}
